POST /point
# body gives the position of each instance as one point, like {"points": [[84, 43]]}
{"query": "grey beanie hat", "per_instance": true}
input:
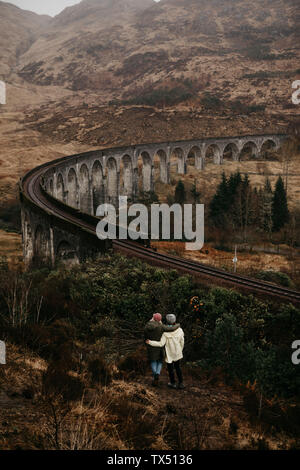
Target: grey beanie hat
{"points": [[171, 319]]}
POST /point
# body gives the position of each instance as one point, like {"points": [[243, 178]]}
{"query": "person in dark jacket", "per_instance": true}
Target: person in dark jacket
{"points": [[154, 330]]}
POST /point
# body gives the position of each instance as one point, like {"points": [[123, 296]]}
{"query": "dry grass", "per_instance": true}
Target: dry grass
{"points": [[247, 262], [127, 414]]}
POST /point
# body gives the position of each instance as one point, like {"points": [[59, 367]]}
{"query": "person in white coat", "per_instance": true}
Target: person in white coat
{"points": [[2, 353], [174, 344]]}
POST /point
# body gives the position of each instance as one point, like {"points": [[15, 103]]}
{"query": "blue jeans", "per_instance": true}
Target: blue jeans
{"points": [[156, 367]]}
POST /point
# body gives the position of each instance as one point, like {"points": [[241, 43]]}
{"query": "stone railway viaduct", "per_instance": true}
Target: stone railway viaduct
{"points": [[82, 182]]}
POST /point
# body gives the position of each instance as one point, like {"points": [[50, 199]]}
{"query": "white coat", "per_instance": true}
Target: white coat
{"points": [[173, 342]]}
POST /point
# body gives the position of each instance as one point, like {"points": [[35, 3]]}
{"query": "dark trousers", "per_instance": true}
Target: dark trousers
{"points": [[171, 367]]}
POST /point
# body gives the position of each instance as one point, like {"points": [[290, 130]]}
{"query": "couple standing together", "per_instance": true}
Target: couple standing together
{"points": [[165, 341]]}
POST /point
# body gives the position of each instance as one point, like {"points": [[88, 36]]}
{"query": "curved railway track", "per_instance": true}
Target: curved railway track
{"points": [[31, 189]]}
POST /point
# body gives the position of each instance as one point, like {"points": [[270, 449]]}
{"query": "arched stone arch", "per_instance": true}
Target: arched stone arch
{"points": [[60, 188], [144, 164], [231, 152], [249, 151], [50, 186], [41, 245], [267, 148], [193, 157], [126, 176], [112, 180], [97, 186], [212, 154], [84, 189], [66, 254], [72, 188], [177, 160], [160, 166]]}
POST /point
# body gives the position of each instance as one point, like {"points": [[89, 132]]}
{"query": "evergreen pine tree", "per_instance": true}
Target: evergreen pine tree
{"points": [[280, 211], [256, 204], [268, 187], [234, 180], [233, 184], [180, 193], [246, 193], [244, 205], [195, 194], [266, 198], [220, 204], [236, 199]]}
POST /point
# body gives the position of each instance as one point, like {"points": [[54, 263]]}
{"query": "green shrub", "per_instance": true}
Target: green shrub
{"points": [[210, 101], [225, 347], [259, 52], [277, 277], [250, 340], [276, 374], [161, 96], [107, 302]]}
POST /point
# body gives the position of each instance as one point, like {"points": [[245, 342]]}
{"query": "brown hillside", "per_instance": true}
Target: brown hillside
{"points": [[18, 30], [124, 50], [129, 414]]}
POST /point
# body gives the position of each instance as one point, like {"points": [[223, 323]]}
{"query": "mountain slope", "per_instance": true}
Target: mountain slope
{"points": [[125, 49], [18, 30], [80, 42], [102, 11]]}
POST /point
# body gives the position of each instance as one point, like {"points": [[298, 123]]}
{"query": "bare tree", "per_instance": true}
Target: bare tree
{"points": [[19, 299]]}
